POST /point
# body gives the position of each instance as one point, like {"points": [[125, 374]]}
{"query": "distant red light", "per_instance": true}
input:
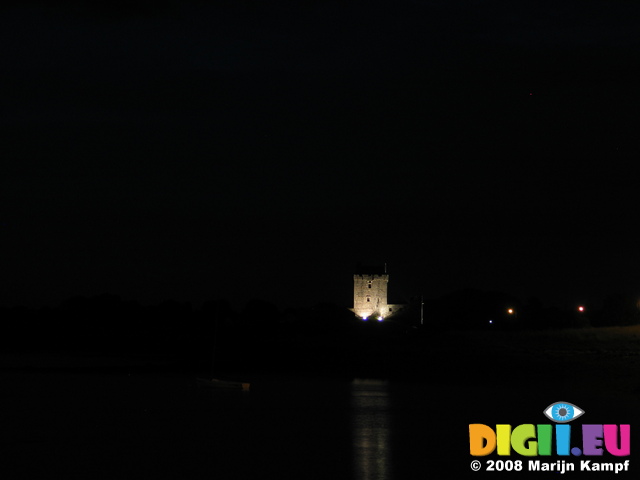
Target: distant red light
{"points": [[581, 308]]}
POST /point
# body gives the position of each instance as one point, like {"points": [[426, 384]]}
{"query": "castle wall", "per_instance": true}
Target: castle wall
{"points": [[395, 308]]}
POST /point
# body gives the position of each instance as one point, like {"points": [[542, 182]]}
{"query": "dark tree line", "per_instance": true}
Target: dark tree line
{"points": [[475, 309], [261, 337]]}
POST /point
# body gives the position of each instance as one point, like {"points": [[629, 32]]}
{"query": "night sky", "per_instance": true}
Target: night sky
{"points": [[256, 149]]}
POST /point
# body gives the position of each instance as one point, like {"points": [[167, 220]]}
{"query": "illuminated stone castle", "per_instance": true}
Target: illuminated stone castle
{"points": [[370, 293]]}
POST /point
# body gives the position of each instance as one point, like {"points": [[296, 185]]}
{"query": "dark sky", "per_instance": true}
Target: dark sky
{"points": [[201, 150]]}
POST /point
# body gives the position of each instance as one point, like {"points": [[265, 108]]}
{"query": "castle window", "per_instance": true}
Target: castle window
{"points": [[368, 298], [390, 309], [369, 284]]}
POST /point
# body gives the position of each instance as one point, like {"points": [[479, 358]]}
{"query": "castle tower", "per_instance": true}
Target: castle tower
{"points": [[370, 292]]}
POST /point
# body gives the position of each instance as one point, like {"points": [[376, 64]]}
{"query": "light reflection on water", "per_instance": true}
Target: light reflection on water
{"points": [[166, 427], [371, 429]]}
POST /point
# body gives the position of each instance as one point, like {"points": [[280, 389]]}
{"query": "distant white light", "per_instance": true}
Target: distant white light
{"points": [[490, 321], [365, 318], [379, 319]]}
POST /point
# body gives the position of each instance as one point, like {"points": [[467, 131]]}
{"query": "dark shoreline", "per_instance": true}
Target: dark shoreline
{"points": [[575, 357]]}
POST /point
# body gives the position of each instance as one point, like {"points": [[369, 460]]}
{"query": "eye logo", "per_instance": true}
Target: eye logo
{"points": [[562, 412]]}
